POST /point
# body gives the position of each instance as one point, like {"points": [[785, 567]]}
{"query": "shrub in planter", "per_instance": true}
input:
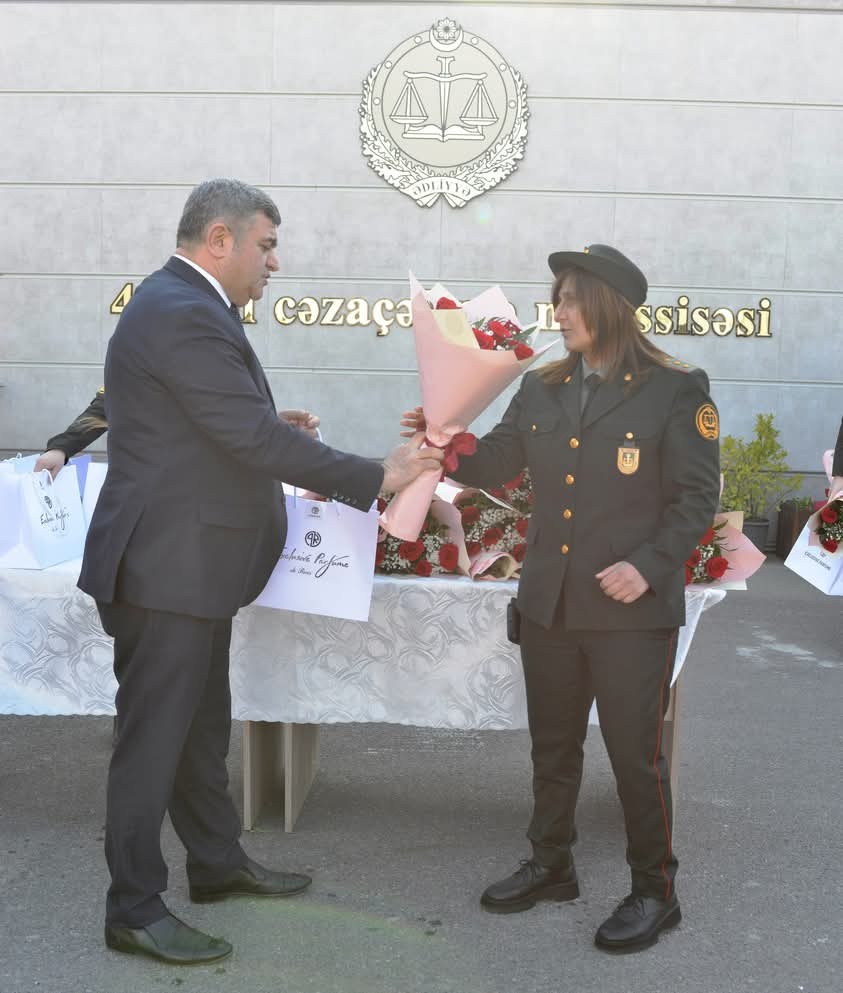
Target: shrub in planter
{"points": [[756, 477]]}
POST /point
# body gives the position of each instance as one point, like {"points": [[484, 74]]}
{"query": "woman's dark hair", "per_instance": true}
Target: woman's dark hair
{"points": [[619, 345]]}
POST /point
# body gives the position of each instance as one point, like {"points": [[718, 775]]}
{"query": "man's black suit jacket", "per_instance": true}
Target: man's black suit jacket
{"points": [[191, 516], [595, 506]]}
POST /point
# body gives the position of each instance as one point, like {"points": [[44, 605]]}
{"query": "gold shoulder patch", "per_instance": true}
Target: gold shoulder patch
{"points": [[707, 421]]}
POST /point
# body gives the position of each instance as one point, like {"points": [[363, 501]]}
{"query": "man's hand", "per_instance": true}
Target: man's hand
{"points": [[52, 460], [407, 461], [413, 419], [623, 582], [303, 419]]}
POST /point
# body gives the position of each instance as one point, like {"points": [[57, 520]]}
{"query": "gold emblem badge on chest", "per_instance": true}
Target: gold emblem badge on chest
{"points": [[628, 456]]}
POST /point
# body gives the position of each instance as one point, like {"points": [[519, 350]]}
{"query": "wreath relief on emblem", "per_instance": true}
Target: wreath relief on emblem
{"points": [[445, 115]]}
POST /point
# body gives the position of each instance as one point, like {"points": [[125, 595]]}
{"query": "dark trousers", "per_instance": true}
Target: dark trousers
{"points": [[174, 718], [628, 672]]}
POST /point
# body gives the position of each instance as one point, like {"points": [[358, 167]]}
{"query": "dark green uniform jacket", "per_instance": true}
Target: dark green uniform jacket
{"points": [[638, 480], [78, 435]]}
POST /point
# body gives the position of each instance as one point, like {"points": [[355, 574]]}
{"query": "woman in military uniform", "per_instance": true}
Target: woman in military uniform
{"points": [[621, 443], [83, 431]]}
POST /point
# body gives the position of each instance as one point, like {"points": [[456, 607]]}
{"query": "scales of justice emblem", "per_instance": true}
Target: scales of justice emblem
{"points": [[445, 115]]}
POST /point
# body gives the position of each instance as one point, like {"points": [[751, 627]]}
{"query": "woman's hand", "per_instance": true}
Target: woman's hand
{"points": [[623, 582], [413, 419], [302, 419], [53, 460]]}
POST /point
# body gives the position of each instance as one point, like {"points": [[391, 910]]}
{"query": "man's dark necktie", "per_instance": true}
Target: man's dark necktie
{"points": [[592, 381]]}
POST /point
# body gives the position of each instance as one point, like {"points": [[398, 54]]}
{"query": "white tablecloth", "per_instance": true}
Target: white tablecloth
{"points": [[433, 654]]}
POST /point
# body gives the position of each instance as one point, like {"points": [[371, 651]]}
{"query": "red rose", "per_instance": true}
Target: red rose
{"points": [[411, 550], [473, 548], [381, 505], [519, 551], [470, 513], [829, 513], [707, 538], [380, 554], [521, 526], [446, 303], [716, 566], [499, 330], [423, 568], [694, 558], [523, 351], [483, 340], [449, 556], [830, 545], [689, 576], [514, 484], [492, 537]]}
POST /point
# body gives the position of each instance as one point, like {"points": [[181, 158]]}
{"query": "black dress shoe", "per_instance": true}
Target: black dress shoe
{"points": [[637, 923], [528, 884], [168, 940], [251, 880]]}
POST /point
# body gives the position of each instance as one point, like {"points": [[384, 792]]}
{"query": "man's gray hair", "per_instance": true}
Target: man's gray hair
{"points": [[226, 200]]}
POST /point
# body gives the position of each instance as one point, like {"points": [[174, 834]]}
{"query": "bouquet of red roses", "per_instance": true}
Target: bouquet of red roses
{"points": [[517, 493], [495, 525], [438, 550], [466, 358], [830, 525], [724, 555], [707, 564]]}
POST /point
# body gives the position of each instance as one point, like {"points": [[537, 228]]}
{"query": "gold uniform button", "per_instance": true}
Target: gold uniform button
{"points": [[567, 513], [574, 443], [567, 379], [627, 377], [534, 428], [564, 549], [569, 479], [629, 435]]}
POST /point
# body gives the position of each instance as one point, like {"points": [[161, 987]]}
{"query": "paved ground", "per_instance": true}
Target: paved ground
{"points": [[405, 826]]}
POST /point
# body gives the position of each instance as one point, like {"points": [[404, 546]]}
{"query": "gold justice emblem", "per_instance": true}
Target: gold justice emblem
{"points": [[707, 421], [628, 460]]}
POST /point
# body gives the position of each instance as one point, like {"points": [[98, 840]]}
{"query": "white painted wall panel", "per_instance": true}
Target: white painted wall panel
{"points": [[706, 141]]}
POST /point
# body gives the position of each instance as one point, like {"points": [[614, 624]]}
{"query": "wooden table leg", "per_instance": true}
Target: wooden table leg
{"points": [[301, 760], [276, 757], [262, 767]]}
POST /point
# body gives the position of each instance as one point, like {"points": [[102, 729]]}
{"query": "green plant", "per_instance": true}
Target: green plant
{"points": [[755, 474]]}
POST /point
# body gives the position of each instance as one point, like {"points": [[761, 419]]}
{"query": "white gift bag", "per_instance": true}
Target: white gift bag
{"points": [[813, 563], [94, 478], [41, 519], [809, 559], [328, 563]]}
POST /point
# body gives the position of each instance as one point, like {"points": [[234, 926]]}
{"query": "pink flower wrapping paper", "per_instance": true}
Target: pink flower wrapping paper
{"points": [[458, 381]]}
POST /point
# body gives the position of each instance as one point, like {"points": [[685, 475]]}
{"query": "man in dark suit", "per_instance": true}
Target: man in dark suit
{"points": [[188, 527], [621, 444]]}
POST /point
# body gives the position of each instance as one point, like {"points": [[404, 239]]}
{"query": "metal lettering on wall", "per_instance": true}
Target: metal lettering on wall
{"points": [[746, 322], [445, 115]]}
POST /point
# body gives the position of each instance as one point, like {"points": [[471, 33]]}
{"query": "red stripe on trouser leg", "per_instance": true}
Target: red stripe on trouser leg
{"points": [[668, 672]]}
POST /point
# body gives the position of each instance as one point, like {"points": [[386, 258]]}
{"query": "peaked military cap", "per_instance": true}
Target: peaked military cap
{"points": [[609, 265]]}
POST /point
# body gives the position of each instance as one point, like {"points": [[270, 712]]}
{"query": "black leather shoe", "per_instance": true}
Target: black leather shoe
{"points": [[168, 940], [528, 884], [637, 923], [251, 880]]}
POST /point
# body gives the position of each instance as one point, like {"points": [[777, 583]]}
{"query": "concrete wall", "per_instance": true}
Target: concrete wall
{"points": [[705, 141]]}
